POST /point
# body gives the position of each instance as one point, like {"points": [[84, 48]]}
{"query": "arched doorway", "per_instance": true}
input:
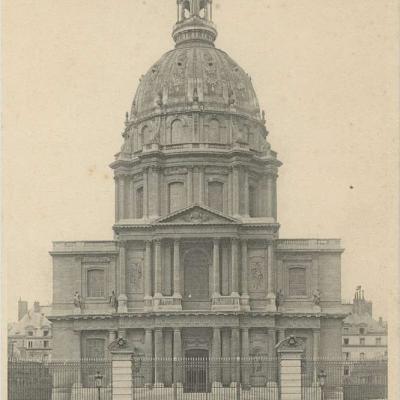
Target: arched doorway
{"points": [[197, 379], [196, 278]]}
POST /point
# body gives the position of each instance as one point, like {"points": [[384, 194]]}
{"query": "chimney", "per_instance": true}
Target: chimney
{"points": [[22, 309], [36, 307]]}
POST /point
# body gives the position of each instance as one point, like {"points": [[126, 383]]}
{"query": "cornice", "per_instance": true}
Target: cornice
{"points": [[186, 313]]}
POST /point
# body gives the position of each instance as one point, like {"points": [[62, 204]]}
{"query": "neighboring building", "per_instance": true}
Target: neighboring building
{"points": [[31, 336], [363, 337], [196, 262]]}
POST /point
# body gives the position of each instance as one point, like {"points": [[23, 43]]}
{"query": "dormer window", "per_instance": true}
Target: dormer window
{"points": [[30, 333]]}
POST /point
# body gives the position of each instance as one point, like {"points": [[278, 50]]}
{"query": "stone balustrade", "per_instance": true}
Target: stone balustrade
{"points": [[308, 244]]}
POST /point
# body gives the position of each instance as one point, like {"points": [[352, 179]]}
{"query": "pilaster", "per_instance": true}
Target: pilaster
{"points": [[245, 300], [122, 298], [271, 306]]}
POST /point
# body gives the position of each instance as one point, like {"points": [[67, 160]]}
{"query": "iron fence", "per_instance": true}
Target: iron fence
{"points": [[197, 378], [205, 378], [58, 380], [344, 379]]}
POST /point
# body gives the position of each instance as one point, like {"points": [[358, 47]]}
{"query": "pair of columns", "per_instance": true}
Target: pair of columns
{"points": [[176, 270]]}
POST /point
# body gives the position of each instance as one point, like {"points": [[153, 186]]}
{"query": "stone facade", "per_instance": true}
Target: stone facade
{"points": [[196, 263], [362, 336]]}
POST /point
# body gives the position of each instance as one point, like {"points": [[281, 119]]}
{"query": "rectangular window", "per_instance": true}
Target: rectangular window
{"points": [[297, 282], [45, 333], [95, 348], [346, 330], [347, 356], [362, 341], [45, 344], [176, 196], [378, 341], [30, 344], [346, 341], [216, 195], [362, 331], [95, 283], [362, 356], [30, 333]]}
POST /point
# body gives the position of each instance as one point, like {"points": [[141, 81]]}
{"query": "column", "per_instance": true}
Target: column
{"points": [[246, 193], [246, 364], [177, 270], [189, 186], [234, 266], [201, 185], [270, 278], [112, 336], [244, 268], [131, 203], [216, 288], [157, 267], [116, 183], [316, 341], [145, 193], [271, 341], [235, 353], [154, 192], [121, 197], [177, 355], [270, 195], [122, 299], [230, 193], [281, 334], [147, 271], [158, 354], [148, 349], [216, 356], [235, 190]]}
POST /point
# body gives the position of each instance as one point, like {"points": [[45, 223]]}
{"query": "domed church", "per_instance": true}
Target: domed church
{"points": [[196, 267]]}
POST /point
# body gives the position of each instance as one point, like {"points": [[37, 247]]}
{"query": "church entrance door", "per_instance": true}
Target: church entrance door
{"points": [[197, 378], [196, 279]]}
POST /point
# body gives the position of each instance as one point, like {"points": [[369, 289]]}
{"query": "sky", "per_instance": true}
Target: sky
{"points": [[325, 73]]}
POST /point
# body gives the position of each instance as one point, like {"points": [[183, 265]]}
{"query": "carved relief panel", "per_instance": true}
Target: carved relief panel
{"points": [[257, 272], [135, 271]]}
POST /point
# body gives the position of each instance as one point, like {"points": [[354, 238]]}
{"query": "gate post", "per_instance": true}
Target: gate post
{"points": [[290, 352], [121, 370]]}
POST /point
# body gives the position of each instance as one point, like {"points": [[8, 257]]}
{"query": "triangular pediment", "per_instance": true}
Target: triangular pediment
{"points": [[195, 215]]}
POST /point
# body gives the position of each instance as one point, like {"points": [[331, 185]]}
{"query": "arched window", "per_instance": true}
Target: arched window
{"points": [[142, 137], [297, 282], [139, 203], [214, 133], [252, 201], [216, 195], [95, 283], [176, 196], [177, 131]]}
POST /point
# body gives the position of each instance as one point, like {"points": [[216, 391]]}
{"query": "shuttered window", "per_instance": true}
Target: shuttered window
{"points": [[297, 282], [95, 283]]}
